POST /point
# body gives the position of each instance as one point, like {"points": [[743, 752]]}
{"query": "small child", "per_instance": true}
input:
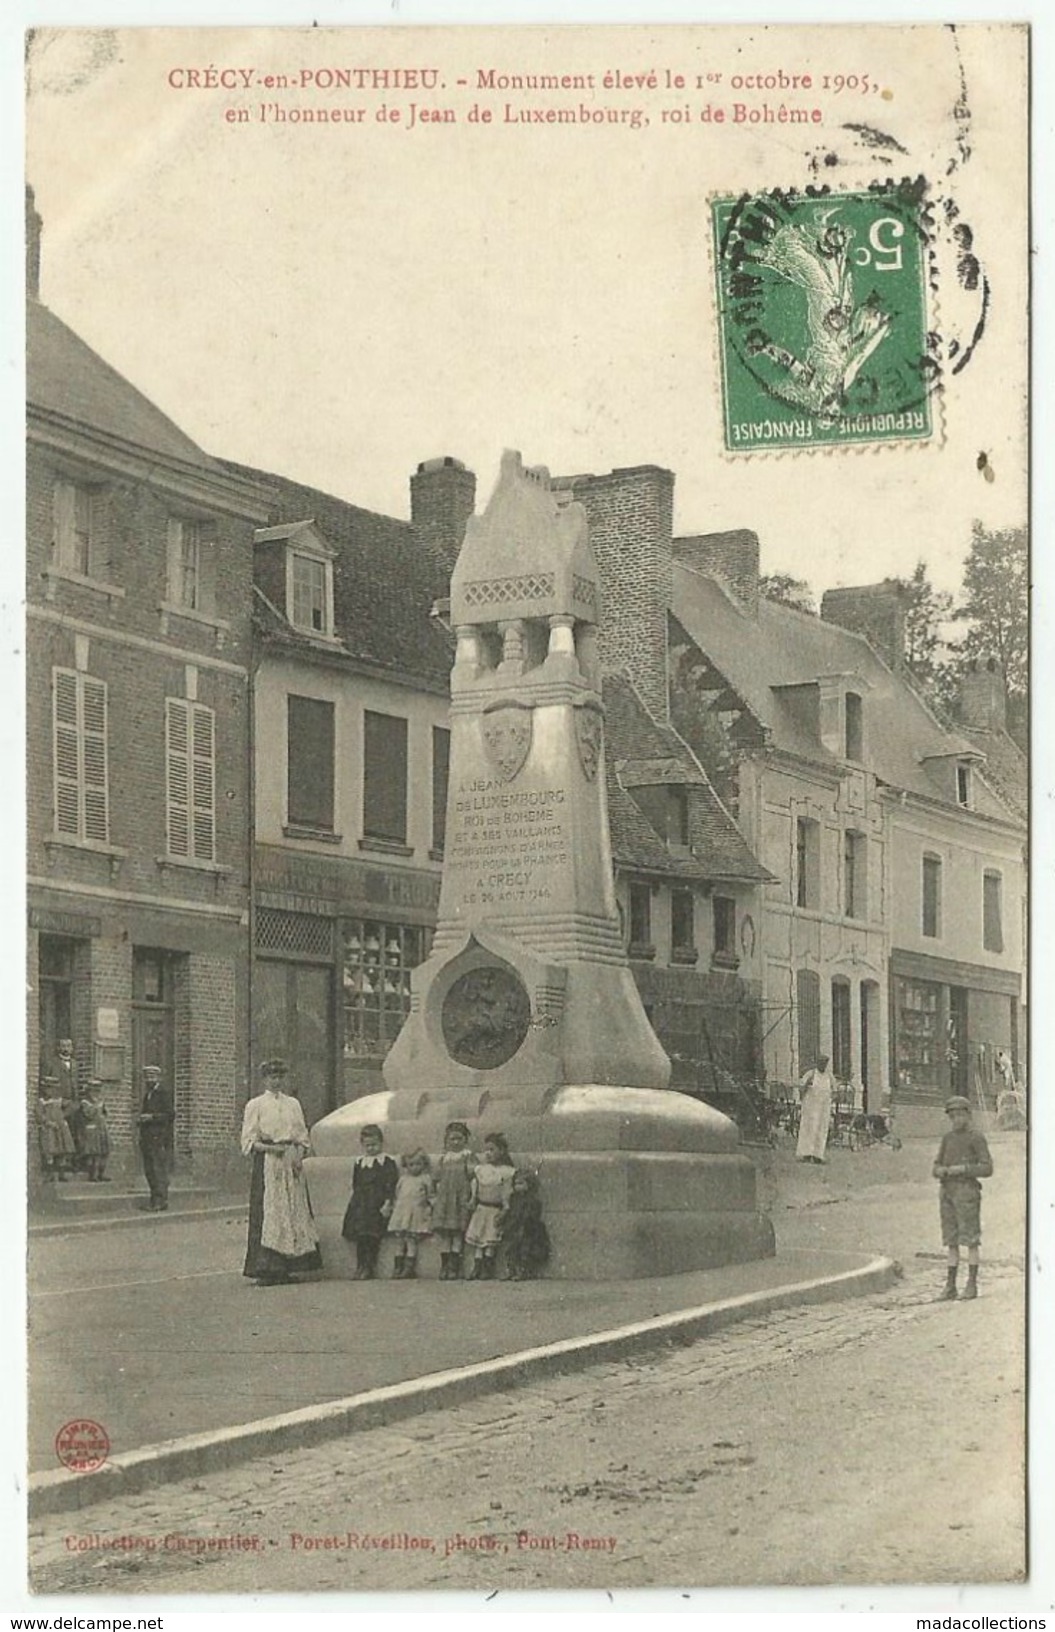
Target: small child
{"points": [[453, 1203], [95, 1132], [524, 1235], [411, 1219], [53, 1132], [374, 1179], [491, 1191], [963, 1159]]}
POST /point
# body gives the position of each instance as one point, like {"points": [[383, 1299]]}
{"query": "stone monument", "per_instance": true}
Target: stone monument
{"points": [[525, 1018]]}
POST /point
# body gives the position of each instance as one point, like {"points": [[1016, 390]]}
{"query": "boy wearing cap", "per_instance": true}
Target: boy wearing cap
{"points": [[963, 1159]]}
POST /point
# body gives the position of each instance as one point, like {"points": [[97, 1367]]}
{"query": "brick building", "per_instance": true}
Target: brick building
{"points": [[139, 551]]}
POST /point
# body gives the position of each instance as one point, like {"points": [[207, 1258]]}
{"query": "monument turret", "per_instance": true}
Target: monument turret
{"points": [[525, 1018]]}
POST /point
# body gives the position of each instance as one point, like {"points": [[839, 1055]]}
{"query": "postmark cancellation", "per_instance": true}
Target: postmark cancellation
{"points": [[823, 327]]}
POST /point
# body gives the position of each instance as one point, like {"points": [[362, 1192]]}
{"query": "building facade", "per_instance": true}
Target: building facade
{"points": [[238, 748], [893, 930], [138, 665], [351, 753]]}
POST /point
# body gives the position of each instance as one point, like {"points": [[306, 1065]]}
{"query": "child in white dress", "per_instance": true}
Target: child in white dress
{"points": [[411, 1218], [492, 1190]]}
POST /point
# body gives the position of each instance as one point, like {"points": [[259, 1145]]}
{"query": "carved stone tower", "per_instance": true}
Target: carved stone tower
{"points": [[525, 1018]]}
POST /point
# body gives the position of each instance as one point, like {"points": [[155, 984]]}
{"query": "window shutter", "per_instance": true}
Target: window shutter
{"points": [[174, 573], [384, 776], [62, 502], [177, 777], [96, 796], [310, 762], [66, 753], [207, 553], [203, 783]]}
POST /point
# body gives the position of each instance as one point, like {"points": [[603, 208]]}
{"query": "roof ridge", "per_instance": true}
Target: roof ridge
{"points": [[113, 374], [319, 493]]}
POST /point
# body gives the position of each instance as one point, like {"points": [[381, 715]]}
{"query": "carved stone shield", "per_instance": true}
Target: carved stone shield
{"points": [[507, 738], [589, 735]]}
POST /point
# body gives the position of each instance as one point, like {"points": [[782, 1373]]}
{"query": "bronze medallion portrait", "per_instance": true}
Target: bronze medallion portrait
{"points": [[485, 1018]]}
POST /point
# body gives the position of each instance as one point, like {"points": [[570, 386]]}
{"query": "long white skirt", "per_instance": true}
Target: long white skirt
{"points": [[288, 1226], [813, 1122]]}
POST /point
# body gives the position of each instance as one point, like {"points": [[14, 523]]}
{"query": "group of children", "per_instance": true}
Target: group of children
{"points": [[483, 1203], [72, 1133]]}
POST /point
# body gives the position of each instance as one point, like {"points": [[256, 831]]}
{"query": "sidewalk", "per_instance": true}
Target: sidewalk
{"points": [[79, 1205], [233, 1370], [156, 1336]]}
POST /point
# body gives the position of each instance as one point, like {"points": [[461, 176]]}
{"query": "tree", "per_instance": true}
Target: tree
{"points": [[702, 727], [787, 591], [926, 609], [996, 605]]}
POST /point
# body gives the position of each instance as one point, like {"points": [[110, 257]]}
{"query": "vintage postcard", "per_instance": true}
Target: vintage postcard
{"points": [[527, 701]]}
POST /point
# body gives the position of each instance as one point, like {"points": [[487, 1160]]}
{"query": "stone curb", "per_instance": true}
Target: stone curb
{"points": [[196, 1454], [122, 1221]]}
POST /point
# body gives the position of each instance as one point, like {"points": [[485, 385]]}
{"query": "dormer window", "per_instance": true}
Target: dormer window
{"points": [[294, 570], [963, 786], [666, 806], [854, 727], [678, 817], [309, 595]]}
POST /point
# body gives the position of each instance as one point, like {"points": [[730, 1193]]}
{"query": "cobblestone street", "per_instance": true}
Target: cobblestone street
{"points": [[818, 1445]]}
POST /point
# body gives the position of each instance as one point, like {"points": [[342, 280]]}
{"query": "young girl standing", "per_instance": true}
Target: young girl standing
{"points": [[491, 1192], [524, 1235], [374, 1179], [95, 1138], [453, 1203], [411, 1218]]}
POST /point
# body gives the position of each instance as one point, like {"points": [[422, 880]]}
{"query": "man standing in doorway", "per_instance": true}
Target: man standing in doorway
{"points": [[156, 1119]]}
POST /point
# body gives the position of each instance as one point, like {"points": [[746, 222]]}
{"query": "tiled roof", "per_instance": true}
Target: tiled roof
{"points": [[384, 583], [645, 751], [635, 843], [650, 753], [782, 648], [1006, 766], [65, 376]]}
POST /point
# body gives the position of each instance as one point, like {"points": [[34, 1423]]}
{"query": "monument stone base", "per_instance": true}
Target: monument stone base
{"points": [[635, 1182]]}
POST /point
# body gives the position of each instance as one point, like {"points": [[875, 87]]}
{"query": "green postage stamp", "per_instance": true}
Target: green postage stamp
{"points": [[822, 318]]}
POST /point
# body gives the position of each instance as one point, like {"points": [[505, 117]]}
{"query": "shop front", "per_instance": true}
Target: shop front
{"points": [[334, 945], [949, 1023]]}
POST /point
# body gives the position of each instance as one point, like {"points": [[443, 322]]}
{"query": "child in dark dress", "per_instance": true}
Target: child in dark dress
{"points": [[374, 1179], [524, 1236]]}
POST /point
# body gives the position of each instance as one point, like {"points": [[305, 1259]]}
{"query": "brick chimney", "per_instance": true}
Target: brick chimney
{"points": [[982, 702], [874, 610], [732, 558], [442, 498], [630, 515], [34, 226]]}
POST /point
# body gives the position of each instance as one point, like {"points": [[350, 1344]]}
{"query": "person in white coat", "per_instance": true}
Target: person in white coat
{"points": [[815, 1099]]}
